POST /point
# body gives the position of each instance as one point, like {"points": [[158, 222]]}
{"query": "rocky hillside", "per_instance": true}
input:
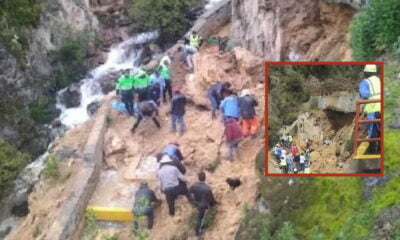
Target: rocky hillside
{"points": [[310, 30]]}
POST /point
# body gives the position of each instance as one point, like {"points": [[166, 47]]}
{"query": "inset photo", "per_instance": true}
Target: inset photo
{"points": [[324, 119]]}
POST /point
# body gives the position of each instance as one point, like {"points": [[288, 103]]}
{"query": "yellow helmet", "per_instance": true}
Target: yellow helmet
{"points": [[370, 68]]}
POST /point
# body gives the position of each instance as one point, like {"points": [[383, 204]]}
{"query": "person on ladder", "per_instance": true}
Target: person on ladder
{"points": [[370, 89]]}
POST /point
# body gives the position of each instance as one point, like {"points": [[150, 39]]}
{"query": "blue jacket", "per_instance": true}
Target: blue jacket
{"points": [[363, 88], [173, 151], [230, 106]]}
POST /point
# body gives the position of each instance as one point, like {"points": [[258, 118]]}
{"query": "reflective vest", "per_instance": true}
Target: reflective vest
{"points": [[194, 40], [125, 83], [374, 93], [165, 72], [283, 162]]}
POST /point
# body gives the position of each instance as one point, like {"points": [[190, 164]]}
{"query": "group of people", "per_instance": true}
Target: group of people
{"points": [[173, 183], [237, 113], [294, 161], [150, 91]]}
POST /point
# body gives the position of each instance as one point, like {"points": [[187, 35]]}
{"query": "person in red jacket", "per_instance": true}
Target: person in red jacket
{"points": [[233, 135], [294, 150]]}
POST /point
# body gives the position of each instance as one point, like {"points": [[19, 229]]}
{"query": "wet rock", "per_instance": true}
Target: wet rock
{"points": [[107, 82], [71, 97], [20, 210], [340, 164], [93, 107], [67, 153]]}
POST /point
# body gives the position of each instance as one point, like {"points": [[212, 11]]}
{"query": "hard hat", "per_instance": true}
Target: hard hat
{"points": [[166, 159], [370, 68], [245, 92]]}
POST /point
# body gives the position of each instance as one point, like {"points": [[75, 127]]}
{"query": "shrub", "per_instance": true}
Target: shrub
{"points": [[211, 167], [68, 63], [11, 163], [109, 237], [91, 228], [286, 232], [41, 109], [314, 104], [16, 18], [376, 30], [51, 168], [170, 17]]}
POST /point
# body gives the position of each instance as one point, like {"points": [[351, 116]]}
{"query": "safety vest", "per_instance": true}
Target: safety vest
{"points": [[374, 93], [125, 83], [194, 40], [283, 162], [165, 72]]}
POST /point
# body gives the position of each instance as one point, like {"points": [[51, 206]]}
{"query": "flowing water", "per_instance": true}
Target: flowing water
{"points": [[122, 56]]}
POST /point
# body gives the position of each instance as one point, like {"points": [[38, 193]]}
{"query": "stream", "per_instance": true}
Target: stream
{"points": [[121, 56]]}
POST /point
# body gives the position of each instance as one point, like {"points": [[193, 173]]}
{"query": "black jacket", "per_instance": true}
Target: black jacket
{"points": [[144, 196], [178, 104], [216, 91], [203, 195], [147, 108], [246, 107]]}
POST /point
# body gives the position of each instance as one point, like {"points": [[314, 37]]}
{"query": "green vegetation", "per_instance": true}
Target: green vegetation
{"points": [[141, 233], [11, 163], [376, 31], [68, 62], [41, 110], [211, 167], [91, 229], [51, 169], [208, 220], [17, 17], [109, 237], [314, 104], [171, 17]]}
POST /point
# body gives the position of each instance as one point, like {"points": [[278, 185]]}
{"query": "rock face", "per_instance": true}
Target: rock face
{"points": [[19, 86], [310, 30], [340, 101]]}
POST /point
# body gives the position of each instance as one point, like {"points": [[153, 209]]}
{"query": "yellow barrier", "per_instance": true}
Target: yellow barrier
{"points": [[111, 213], [362, 148]]}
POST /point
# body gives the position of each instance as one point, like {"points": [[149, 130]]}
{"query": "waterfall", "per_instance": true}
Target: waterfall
{"points": [[122, 56]]}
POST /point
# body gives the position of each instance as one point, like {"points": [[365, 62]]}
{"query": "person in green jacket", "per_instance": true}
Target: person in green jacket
{"points": [[165, 71], [141, 84], [124, 86]]}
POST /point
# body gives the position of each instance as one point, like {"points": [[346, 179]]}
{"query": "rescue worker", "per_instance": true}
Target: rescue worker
{"points": [[283, 164], [290, 140], [172, 149], [169, 178], [141, 84], [195, 40], [187, 53], [230, 106], [289, 161], [302, 162], [278, 152], [214, 94], [174, 162], [145, 200], [307, 156], [294, 150], [247, 105], [370, 89], [165, 72], [233, 136], [178, 104], [146, 109], [124, 87], [157, 87], [203, 199]]}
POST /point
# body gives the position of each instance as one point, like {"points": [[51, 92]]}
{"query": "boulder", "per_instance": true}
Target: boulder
{"points": [[92, 107], [71, 97], [107, 81], [115, 145]]}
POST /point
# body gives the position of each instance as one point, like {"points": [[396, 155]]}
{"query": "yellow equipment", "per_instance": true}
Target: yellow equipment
{"points": [[111, 213]]}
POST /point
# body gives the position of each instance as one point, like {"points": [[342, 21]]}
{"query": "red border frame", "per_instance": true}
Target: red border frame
{"points": [[381, 67]]}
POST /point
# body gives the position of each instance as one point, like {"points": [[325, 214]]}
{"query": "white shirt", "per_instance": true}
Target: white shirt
{"points": [[302, 159]]}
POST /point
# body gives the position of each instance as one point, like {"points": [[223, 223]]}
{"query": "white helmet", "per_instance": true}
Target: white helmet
{"points": [[370, 68], [245, 92]]}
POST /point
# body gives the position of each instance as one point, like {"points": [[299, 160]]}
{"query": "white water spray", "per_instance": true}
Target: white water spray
{"points": [[124, 55]]}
